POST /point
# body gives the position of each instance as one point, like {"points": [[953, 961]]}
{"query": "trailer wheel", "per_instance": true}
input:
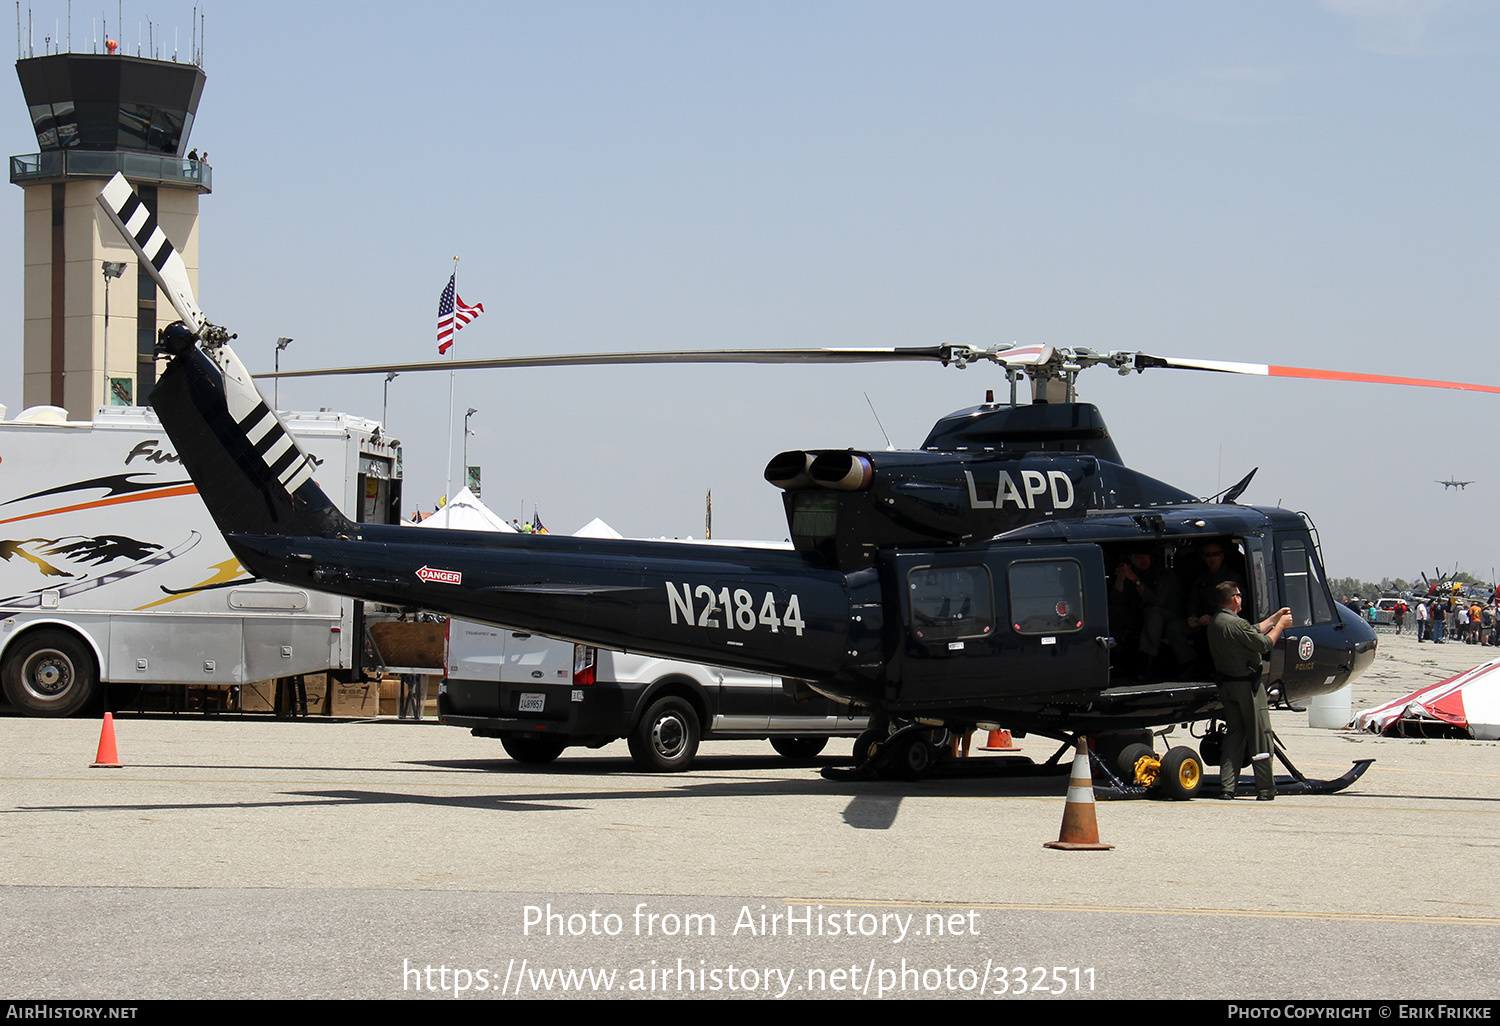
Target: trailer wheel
{"points": [[666, 738], [50, 673], [798, 747], [535, 751], [1181, 773]]}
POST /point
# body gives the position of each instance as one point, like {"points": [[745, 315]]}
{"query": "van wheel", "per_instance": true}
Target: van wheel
{"points": [[798, 747], [666, 738], [535, 751], [50, 673]]}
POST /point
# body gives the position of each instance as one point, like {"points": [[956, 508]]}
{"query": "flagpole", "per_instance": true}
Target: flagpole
{"points": [[452, 375]]}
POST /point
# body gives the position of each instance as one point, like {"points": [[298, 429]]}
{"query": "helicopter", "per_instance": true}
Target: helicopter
{"points": [[973, 581]]}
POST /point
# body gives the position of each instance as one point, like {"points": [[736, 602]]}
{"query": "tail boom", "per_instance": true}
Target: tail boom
{"points": [[756, 609]]}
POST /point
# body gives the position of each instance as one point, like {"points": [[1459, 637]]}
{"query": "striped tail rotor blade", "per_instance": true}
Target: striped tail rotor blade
{"points": [[1276, 371], [157, 255]]}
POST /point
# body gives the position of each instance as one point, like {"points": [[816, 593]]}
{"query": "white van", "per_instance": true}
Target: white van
{"points": [[539, 696]]}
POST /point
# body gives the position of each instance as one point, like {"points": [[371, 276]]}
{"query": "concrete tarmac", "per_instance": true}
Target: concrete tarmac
{"points": [[246, 857]]}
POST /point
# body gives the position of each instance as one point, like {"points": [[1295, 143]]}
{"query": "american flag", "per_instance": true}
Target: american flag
{"points": [[450, 319]]}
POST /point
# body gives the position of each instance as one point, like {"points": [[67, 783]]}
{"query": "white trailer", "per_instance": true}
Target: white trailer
{"points": [[112, 571]]}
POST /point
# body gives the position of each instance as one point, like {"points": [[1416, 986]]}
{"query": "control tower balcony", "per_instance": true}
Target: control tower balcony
{"points": [[146, 168]]}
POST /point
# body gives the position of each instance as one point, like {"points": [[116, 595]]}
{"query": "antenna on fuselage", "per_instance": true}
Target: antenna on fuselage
{"points": [[888, 446]]}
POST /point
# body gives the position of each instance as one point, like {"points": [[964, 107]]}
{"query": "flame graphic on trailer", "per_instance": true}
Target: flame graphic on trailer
{"points": [[85, 562], [108, 554]]}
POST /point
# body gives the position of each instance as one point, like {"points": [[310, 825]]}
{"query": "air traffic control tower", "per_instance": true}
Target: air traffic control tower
{"points": [[95, 114]]}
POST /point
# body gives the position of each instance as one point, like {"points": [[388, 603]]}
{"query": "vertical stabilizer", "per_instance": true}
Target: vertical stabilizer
{"points": [[251, 473]]}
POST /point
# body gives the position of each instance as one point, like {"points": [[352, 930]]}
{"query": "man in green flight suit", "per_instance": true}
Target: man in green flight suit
{"points": [[1237, 647]]}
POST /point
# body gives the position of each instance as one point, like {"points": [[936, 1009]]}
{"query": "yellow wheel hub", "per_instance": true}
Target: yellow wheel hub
{"points": [[1188, 773], [1146, 769]]}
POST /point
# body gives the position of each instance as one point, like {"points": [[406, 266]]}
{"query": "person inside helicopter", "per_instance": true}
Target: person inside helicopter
{"points": [[1146, 617], [1219, 560]]}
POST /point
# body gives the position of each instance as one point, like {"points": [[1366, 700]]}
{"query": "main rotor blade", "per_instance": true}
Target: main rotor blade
{"points": [[940, 354], [1272, 370]]}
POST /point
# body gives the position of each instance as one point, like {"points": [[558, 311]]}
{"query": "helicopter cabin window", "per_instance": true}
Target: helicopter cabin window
{"points": [[949, 603], [1046, 597], [1301, 588]]}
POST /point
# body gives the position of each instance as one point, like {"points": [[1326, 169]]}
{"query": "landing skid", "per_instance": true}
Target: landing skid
{"points": [[1109, 787], [909, 754]]}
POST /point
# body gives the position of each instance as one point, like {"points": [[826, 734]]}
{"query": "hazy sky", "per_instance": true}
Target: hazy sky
{"points": [[1306, 183]]}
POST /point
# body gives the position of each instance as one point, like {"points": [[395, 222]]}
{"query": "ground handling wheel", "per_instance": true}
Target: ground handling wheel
{"points": [[1181, 773], [1138, 765]]}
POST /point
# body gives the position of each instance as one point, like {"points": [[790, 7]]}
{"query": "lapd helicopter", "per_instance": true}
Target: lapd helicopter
{"points": [[972, 582]]}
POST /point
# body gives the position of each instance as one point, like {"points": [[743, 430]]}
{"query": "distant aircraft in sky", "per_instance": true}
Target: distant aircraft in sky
{"points": [[1454, 484]]}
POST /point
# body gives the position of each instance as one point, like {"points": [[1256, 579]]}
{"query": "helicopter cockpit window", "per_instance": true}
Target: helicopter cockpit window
{"points": [[1046, 597], [1303, 592], [949, 603]]}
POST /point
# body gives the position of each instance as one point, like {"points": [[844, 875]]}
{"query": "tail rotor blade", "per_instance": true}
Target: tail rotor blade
{"points": [[157, 255]]}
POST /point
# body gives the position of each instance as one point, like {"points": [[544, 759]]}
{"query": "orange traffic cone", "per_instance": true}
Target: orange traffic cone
{"points": [[107, 758], [1080, 830], [1000, 741]]}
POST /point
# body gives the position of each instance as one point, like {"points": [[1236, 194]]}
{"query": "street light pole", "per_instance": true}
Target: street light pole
{"points": [[467, 433], [112, 269], [385, 402], [281, 343]]}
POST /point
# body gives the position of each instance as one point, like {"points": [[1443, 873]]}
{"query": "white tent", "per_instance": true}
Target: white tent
{"points": [[597, 528], [1469, 701], [467, 513]]}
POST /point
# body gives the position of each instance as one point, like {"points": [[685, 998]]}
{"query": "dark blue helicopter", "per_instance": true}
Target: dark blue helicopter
{"points": [[975, 581]]}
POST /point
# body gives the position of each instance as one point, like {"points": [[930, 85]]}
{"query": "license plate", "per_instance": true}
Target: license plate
{"points": [[533, 703]]}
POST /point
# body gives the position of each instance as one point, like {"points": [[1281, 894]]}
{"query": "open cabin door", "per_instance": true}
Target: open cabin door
{"points": [[1002, 622]]}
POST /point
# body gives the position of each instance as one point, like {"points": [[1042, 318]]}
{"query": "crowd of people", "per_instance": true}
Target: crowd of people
{"points": [[1460, 619]]}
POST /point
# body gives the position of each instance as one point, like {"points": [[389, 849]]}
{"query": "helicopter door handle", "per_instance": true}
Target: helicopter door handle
{"points": [[1106, 643]]}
